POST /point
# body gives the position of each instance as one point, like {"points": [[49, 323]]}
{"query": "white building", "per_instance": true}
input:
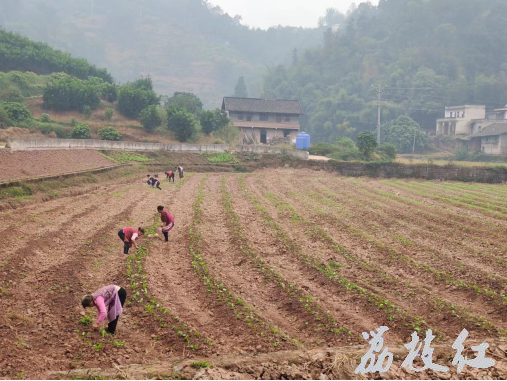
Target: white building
{"points": [[459, 119]]}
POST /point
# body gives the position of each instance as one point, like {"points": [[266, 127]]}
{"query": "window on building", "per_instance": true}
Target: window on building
{"points": [[240, 116], [286, 133], [264, 117], [286, 118], [248, 117], [278, 118]]}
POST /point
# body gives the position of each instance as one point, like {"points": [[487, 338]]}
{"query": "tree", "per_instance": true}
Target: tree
{"points": [[134, 97], [240, 90], [182, 123], [401, 132], [295, 57], [207, 120], [389, 150], [81, 131], [150, 118], [366, 143], [4, 118], [213, 120], [109, 133], [186, 101], [66, 93]]}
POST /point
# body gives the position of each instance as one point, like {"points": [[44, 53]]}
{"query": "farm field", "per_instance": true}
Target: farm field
{"points": [[257, 264]]}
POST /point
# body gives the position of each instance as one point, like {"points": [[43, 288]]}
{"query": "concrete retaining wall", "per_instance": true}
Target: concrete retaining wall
{"points": [[27, 144]]}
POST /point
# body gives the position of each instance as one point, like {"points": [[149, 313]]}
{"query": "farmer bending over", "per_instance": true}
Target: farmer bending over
{"points": [[167, 222], [170, 175], [111, 297], [180, 171], [129, 237]]}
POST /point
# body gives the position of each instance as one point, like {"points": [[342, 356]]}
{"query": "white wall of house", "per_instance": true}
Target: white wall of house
{"points": [[458, 120]]}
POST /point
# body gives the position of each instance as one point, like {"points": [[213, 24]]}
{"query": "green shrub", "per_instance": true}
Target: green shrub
{"points": [[44, 118], [87, 111], [322, 149], [389, 150], [81, 131], [109, 133], [47, 128], [18, 113], [65, 93], [345, 142], [4, 118], [108, 114], [134, 97], [346, 155], [222, 157], [461, 154]]}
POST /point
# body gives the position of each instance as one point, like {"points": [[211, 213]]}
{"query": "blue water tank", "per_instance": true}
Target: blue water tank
{"points": [[303, 141]]}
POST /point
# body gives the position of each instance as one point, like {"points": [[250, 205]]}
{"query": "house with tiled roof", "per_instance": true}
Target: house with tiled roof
{"points": [[491, 140], [263, 121]]}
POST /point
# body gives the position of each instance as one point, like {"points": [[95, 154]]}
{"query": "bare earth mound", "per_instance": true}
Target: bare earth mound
{"points": [[271, 275], [22, 165]]}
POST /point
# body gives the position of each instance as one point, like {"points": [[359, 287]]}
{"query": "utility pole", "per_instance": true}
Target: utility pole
{"points": [[379, 102]]}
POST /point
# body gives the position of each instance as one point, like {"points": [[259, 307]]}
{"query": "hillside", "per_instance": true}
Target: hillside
{"points": [[183, 45], [425, 54]]}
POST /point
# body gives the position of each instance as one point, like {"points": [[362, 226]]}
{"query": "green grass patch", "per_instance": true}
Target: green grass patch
{"points": [[127, 157], [221, 157]]}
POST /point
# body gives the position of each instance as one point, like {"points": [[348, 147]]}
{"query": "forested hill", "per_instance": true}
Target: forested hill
{"points": [[426, 53], [21, 54], [184, 45]]}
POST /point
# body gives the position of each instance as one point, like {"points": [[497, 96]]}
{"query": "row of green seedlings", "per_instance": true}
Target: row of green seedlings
{"points": [[407, 242], [430, 216], [494, 203], [455, 201], [84, 335], [495, 191], [165, 317], [385, 306], [434, 253], [466, 195], [451, 308], [323, 318], [183, 181], [453, 215], [238, 306]]}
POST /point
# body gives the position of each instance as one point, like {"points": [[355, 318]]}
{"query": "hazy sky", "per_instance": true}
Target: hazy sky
{"points": [[266, 13]]}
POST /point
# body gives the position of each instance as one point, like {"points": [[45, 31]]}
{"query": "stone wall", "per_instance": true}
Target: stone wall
{"points": [[27, 144]]}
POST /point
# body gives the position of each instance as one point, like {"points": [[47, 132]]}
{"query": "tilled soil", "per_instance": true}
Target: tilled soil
{"points": [[25, 164], [256, 265]]}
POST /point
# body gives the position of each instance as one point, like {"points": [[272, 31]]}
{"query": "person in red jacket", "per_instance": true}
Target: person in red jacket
{"points": [[170, 175], [129, 237], [167, 222]]}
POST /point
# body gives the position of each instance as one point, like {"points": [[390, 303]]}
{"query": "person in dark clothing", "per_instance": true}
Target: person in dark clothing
{"points": [[155, 183]]}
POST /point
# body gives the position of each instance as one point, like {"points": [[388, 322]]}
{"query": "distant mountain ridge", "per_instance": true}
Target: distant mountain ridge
{"points": [[184, 45]]}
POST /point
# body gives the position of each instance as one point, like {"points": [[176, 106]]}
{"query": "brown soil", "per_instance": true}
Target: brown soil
{"points": [[260, 236], [23, 165]]}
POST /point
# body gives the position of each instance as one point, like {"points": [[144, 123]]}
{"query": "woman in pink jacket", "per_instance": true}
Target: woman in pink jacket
{"points": [[111, 298]]}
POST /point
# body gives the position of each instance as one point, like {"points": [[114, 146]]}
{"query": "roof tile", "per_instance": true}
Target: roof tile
{"points": [[262, 105]]}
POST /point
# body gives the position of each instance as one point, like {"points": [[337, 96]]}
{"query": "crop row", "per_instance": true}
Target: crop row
{"points": [[295, 293], [138, 284], [395, 256], [383, 305], [237, 305]]}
